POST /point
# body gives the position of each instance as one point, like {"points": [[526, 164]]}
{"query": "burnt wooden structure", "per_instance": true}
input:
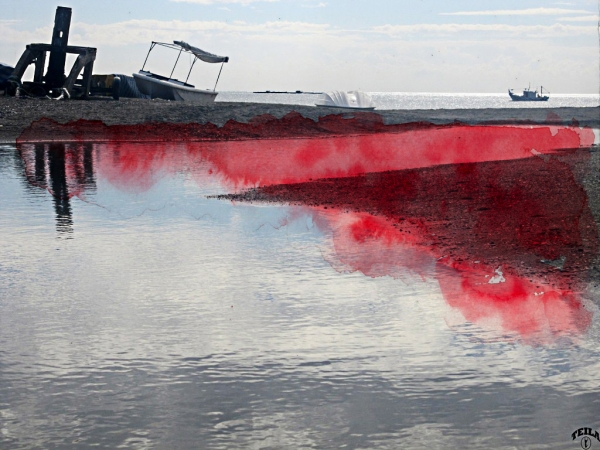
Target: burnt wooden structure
{"points": [[54, 82]]}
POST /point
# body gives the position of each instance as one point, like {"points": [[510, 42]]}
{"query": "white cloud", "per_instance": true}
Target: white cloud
{"points": [[11, 34], [520, 12], [282, 55], [318, 5], [213, 2], [532, 30], [144, 31], [591, 18]]}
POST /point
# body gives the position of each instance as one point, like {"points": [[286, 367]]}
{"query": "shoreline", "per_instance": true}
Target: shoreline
{"points": [[230, 121], [17, 114]]}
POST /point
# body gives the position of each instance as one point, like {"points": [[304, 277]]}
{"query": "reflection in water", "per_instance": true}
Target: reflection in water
{"points": [[58, 186], [506, 240], [510, 242], [64, 170], [174, 320], [40, 164]]}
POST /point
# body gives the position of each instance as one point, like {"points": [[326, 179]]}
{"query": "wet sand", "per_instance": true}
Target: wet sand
{"points": [[16, 114]]}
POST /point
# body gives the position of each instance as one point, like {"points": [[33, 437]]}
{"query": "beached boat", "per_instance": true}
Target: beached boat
{"points": [[348, 100], [529, 95], [168, 88]]}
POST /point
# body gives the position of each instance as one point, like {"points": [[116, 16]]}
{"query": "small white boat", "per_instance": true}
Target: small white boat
{"points": [[168, 88], [349, 100]]}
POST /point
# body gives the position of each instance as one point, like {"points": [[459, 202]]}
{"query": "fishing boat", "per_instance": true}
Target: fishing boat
{"points": [[168, 88], [529, 95]]}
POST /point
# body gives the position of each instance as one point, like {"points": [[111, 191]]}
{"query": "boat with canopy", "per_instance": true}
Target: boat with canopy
{"points": [[168, 88]]}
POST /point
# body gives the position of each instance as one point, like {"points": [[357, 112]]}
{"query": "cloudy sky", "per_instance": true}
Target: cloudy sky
{"points": [[375, 45]]}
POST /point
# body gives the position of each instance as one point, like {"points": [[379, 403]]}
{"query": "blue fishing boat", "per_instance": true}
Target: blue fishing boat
{"points": [[529, 95]]}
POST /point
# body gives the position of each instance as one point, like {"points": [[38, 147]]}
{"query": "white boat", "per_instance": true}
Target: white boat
{"points": [[348, 100], [168, 88]]}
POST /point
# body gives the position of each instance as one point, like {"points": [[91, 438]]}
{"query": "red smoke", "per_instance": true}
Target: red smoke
{"points": [[463, 204]]}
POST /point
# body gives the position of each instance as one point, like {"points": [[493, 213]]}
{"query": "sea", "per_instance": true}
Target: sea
{"points": [[140, 310], [421, 100]]}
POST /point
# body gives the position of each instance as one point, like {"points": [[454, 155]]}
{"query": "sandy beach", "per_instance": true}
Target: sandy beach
{"points": [[16, 114]]}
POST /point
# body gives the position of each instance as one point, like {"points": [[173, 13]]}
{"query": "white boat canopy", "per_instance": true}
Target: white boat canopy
{"points": [[198, 54], [201, 54]]}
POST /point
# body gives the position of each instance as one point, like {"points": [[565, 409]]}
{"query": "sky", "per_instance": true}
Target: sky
{"points": [[476, 46]]}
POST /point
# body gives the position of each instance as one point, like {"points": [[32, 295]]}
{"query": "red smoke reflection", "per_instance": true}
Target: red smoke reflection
{"points": [[295, 149], [538, 306], [507, 240], [494, 213]]}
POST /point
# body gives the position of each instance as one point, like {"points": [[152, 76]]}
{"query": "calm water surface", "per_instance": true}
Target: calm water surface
{"points": [[424, 100], [135, 312]]}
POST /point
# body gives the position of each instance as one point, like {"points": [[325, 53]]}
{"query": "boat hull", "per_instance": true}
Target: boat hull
{"points": [[358, 108], [170, 91], [521, 98]]}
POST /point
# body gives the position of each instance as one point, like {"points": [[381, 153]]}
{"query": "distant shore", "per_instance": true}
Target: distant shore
{"points": [[16, 114]]}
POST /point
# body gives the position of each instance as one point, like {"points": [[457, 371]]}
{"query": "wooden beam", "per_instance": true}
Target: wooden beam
{"points": [[55, 76], [83, 60], [40, 62]]}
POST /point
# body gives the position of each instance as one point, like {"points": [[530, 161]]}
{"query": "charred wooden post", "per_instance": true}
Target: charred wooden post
{"points": [[40, 62], [29, 56], [85, 62], [55, 81], [55, 76]]}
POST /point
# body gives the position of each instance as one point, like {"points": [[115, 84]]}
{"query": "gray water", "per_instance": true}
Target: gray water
{"points": [[424, 100], [139, 314]]}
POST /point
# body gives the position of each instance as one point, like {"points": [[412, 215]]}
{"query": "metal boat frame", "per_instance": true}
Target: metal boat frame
{"points": [[168, 88]]}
